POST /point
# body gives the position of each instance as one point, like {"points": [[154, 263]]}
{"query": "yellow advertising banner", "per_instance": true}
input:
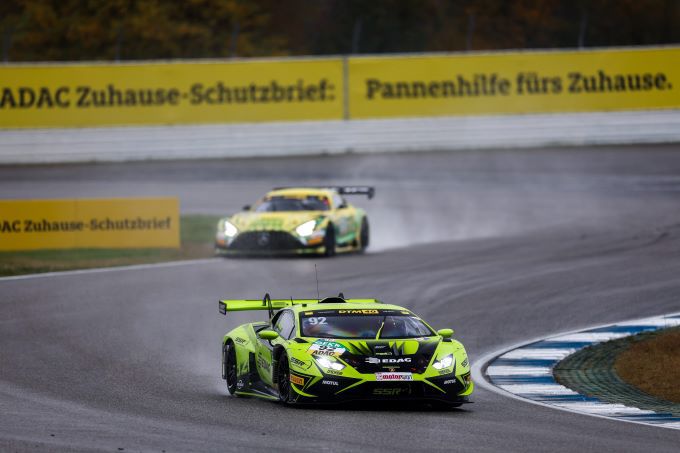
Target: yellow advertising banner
{"points": [[514, 83], [212, 92], [89, 223], [81, 95]]}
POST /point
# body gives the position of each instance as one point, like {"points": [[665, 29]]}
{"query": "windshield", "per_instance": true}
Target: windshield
{"points": [[310, 203], [363, 326]]}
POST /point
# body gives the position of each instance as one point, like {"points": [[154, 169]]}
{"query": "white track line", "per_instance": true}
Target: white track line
{"points": [[100, 270]]}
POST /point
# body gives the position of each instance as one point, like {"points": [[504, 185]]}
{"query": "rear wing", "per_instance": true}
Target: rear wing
{"points": [[369, 191], [270, 304], [356, 190]]}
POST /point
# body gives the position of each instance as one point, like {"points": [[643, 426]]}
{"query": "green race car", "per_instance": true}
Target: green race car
{"points": [[297, 220], [338, 349]]}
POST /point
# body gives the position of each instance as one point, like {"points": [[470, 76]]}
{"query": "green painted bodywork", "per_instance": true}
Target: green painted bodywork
{"points": [[264, 353]]}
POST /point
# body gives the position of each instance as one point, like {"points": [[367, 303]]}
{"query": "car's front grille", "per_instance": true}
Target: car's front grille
{"points": [[408, 363], [265, 240]]}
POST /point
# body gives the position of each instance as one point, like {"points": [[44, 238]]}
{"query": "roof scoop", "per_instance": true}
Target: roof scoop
{"points": [[333, 300]]}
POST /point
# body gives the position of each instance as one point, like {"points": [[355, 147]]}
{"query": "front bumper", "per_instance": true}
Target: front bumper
{"points": [[449, 389], [267, 243]]}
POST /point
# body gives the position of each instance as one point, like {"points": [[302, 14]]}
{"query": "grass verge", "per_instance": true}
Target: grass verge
{"points": [[197, 234], [653, 365]]}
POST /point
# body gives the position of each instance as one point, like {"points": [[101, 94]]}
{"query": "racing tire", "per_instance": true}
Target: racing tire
{"points": [[364, 235], [283, 379], [229, 373], [329, 240]]}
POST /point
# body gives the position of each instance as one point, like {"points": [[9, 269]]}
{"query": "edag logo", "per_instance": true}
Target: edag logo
{"points": [[377, 360]]}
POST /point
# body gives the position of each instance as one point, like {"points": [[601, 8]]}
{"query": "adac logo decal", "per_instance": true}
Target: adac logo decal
{"points": [[297, 380], [324, 347]]}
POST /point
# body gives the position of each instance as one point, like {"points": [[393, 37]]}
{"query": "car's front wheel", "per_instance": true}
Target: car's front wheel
{"points": [[283, 381], [229, 366], [329, 240], [364, 236]]}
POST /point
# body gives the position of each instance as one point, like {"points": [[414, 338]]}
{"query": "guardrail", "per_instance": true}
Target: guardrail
{"points": [[19, 146]]}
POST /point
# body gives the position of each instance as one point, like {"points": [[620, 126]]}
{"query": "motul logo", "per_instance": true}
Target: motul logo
{"points": [[376, 360]]}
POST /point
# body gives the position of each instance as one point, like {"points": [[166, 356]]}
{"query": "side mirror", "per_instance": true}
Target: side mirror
{"points": [[268, 334], [246, 207], [445, 333]]}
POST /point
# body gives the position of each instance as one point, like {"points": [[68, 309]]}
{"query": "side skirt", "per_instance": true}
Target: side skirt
{"points": [[257, 394]]}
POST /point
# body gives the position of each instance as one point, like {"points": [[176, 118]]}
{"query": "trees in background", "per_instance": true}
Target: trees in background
{"points": [[48, 30]]}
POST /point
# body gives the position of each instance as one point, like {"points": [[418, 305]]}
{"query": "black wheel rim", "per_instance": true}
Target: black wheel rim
{"points": [[230, 366], [284, 379]]}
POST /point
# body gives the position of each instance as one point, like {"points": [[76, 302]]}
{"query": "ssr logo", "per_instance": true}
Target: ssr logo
{"points": [[297, 362], [391, 392]]}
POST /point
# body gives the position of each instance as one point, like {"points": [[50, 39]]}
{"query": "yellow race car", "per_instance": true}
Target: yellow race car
{"points": [[297, 220]]}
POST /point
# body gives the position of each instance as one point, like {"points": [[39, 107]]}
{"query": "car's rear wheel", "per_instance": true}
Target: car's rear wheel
{"points": [[364, 235], [283, 380], [329, 240], [229, 366]]}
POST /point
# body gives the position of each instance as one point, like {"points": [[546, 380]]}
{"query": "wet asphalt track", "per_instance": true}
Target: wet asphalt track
{"points": [[514, 245]]}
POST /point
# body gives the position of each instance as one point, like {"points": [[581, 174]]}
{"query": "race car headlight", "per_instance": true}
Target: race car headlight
{"points": [[325, 362], [229, 229], [306, 229], [443, 363]]}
